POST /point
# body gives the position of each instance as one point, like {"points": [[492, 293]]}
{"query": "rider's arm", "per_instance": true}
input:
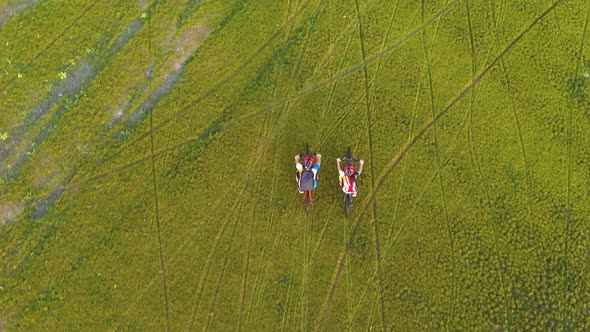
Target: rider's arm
{"points": [[338, 160], [362, 162], [319, 156], [298, 164]]}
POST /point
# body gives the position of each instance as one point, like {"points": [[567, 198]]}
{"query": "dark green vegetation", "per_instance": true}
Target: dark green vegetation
{"points": [[147, 175]]}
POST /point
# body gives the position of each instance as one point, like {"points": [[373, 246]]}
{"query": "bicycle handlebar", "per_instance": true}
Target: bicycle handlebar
{"points": [[349, 159], [301, 155]]}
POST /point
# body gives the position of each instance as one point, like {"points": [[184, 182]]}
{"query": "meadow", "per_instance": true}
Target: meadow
{"points": [[147, 175]]}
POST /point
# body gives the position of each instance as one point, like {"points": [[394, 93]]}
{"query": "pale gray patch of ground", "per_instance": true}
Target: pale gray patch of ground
{"points": [[14, 7]]}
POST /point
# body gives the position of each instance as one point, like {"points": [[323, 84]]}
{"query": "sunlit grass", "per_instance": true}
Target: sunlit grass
{"points": [[146, 166]]}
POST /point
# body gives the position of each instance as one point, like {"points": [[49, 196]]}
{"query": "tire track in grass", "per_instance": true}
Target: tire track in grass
{"points": [[211, 314], [249, 244], [172, 258], [428, 55], [271, 222], [52, 42], [303, 293], [396, 160], [392, 240], [205, 272], [565, 310], [372, 163], [476, 165], [328, 105], [156, 201], [290, 292], [303, 92], [260, 286], [288, 304], [349, 283], [285, 110], [418, 93], [518, 126], [304, 290], [265, 134], [315, 87], [256, 158], [228, 78]]}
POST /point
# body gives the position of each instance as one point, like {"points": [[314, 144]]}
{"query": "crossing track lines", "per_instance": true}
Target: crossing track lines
{"points": [[205, 272], [453, 297], [264, 139], [222, 82], [396, 160], [372, 163], [315, 87], [478, 169], [156, 200], [305, 91], [518, 125], [233, 217], [248, 117]]}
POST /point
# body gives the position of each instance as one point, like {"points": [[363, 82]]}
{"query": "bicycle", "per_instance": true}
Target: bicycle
{"points": [[348, 169], [308, 161]]}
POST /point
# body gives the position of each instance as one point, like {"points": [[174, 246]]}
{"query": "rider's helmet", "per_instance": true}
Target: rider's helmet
{"points": [[308, 162], [349, 171]]}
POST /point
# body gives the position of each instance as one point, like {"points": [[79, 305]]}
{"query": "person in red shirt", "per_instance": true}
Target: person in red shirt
{"points": [[348, 177]]}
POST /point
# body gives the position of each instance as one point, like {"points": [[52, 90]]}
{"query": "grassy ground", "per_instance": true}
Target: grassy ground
{"points": [[147, 175]]}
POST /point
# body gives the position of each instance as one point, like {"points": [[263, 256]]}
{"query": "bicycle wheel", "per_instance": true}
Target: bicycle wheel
{"points": [[347, 204], [307, 200]]}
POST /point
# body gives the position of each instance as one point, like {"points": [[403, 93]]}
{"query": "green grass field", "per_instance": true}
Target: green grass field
{"points": [[147, 175]]}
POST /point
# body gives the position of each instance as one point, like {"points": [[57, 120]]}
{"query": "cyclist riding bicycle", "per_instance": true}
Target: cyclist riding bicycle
{"points": [[307, 173], [348, 179]]}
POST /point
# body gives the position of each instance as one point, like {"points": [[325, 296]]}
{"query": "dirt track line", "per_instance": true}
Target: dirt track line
{"points": [[475, 161], [396, 160], [320, 85], [303, 293], [453, 297], [263, 133], [518, 127], [271, 209], [222, 82], [392, 242], [211, 314], [212, 252], [254, 161], [156, 200], [245, 118], [415, 204], [161, 249], [330, 98], [372, 163]]}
